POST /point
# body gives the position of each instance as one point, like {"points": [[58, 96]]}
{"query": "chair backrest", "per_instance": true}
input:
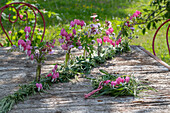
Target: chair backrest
{"points": [[153, 43], [17, 9]]}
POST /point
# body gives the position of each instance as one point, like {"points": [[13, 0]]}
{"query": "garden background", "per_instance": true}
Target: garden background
{"points": [[59, 13]]}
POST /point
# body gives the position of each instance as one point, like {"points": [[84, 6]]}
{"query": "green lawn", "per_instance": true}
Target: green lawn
{"points": [[106, 9]]}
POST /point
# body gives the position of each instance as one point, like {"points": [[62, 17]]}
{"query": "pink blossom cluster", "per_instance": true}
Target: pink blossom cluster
{"points": [[77, 22], [67, 38], [27, 31], [54, 74], [39, 86], [25, 46], [107, 39], [48, 47], [136, 14], [109, 31], [118, 81]]}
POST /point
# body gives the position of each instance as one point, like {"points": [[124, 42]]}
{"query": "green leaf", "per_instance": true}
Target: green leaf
{"points": [[149, 25], [144, 30], [146, 10]]}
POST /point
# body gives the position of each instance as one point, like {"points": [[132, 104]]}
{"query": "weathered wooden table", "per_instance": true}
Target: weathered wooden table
{"points": [[69, 97]]}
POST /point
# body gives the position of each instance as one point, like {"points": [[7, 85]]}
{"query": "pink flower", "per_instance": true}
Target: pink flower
{"points": [[99, 40], [74, 31], [110, 30], [131, 17], [29, 52], [119, 40], [82, 23], [55, 67], [49, 75], [26, 36], [72, 23], [28, 47], [64, 46], [28, 42], [61, 40], [39, 29], [113, 43], [63, 32], [122, 80], [117, 43], [138, 12], [127, 79], [36, 12], [27, 29], [67, 38], [70, 34], [106, 82], [113, 83], [77, 21], [107, 33], [9, 32], [21, 16], [105, 38], [119, 79], [32, 57], [39, 86], [109, 40], [55, 75], [53, 70]]}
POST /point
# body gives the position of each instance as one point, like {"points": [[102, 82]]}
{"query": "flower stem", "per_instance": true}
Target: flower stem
{"points": [[38, 72], [67, 58], [84, 54]]}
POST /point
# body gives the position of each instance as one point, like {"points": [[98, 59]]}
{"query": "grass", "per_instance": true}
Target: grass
{"points": [[106, 9]]}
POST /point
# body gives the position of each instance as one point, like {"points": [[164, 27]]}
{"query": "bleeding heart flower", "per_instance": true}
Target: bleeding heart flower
{"points": [[39, 86], [106, 82], [32, 57], [113, 83], [53, 70], [117, 43], [99, 40], [49, 75], [29, 52], [27, 29], [127, 79], [107, 33], [113, 43], [72, 23], [74, 31], [55, 75], [105, 38], [82, 23], [110, 30], [119, 79], [55, 67], [64, 46]]}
